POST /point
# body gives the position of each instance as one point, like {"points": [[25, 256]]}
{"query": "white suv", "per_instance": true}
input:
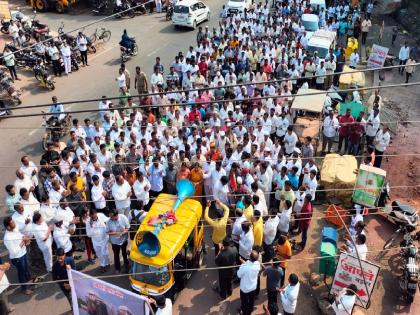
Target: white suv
{"points": [[190, 13], [235, 6]]}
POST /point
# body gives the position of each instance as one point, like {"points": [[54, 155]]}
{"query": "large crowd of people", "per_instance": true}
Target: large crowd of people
{"points": [[220, 117]]}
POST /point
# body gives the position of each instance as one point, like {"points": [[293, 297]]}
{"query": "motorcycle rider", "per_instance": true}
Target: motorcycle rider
{"points": [[40, 49], [56, 109], [127, 42]]}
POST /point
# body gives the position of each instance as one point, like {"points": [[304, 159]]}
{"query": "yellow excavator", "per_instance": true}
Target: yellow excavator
{"points": [[60, 6]]}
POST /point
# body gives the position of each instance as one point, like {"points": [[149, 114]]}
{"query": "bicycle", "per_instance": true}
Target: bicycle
{"points": [[104, 35], [404, 230]]}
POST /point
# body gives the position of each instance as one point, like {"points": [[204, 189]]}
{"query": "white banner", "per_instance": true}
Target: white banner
{"points": [[377, 56], [92, 296]]}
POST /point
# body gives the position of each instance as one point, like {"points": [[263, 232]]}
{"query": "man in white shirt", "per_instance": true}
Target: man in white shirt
{"points": [[403, 56], [121, 191], [16, 243], [22, 219], [5, 308], [360, 247], [354, 59], [155, 174], [46, 210], [372, 126], [43, 237], [23, 181], [246, 240], [320, 73], [66, 53], [141, 188], [221, 190], [345, 300], [310, 183], [290, 141], [96, 230], [330, 127], [381, 142], [270, 231], [62, 232], [98, 195], [248, 274], [156, 79], [164, 305], [284, 217], [289, 295], [82, 42]]}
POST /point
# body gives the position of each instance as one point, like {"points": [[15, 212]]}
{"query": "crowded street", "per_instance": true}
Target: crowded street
{"points": [[214, 161]]}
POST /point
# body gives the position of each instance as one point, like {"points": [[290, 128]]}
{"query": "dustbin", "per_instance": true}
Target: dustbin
{"points": [[330, 235], [327, 262]]}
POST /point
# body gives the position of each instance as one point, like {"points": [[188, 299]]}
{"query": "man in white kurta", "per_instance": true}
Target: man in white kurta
{"points": [[121, 191], [43, 237], [96, 230]]}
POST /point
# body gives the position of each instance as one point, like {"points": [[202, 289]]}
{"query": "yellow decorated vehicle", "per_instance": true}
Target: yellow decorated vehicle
{"points": [[160, 253]]}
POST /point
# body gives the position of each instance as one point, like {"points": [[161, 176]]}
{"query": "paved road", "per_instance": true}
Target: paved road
{"points": [[155, 37]]}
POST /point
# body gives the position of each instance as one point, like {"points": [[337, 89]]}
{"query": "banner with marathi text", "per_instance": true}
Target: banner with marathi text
{"points": [[93, 296]]}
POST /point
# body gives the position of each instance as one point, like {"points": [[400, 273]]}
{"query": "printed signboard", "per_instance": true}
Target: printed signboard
{"points": [[377, 56], [349, 272], [94, 296], [368, 187]]}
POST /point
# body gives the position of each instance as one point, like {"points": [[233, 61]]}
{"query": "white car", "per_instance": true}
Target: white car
{"points": [[235, 6], [190, 13]]}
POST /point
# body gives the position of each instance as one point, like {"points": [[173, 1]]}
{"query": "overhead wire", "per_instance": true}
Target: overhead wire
{"points": [[191, 125], [216, 87], [378, 210], [198, 269], [233, 195], [200, 102], [251, 160]]}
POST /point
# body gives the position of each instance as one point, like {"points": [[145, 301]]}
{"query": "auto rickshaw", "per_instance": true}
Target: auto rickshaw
{"points": [[169, 239]]}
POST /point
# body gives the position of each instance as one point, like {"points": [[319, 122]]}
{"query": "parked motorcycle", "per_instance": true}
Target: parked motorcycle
{"points": [[101, 6], [35, 29], [27, 60], [4, 26], [6, 84], [55, 129], [4, 110], [124, 10], [138, 7], [41, 74], [128, 53], [398, 213], [409, 252]]}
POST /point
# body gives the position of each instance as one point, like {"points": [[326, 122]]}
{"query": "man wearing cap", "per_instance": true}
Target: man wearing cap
{"points": [[62, 232]]}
